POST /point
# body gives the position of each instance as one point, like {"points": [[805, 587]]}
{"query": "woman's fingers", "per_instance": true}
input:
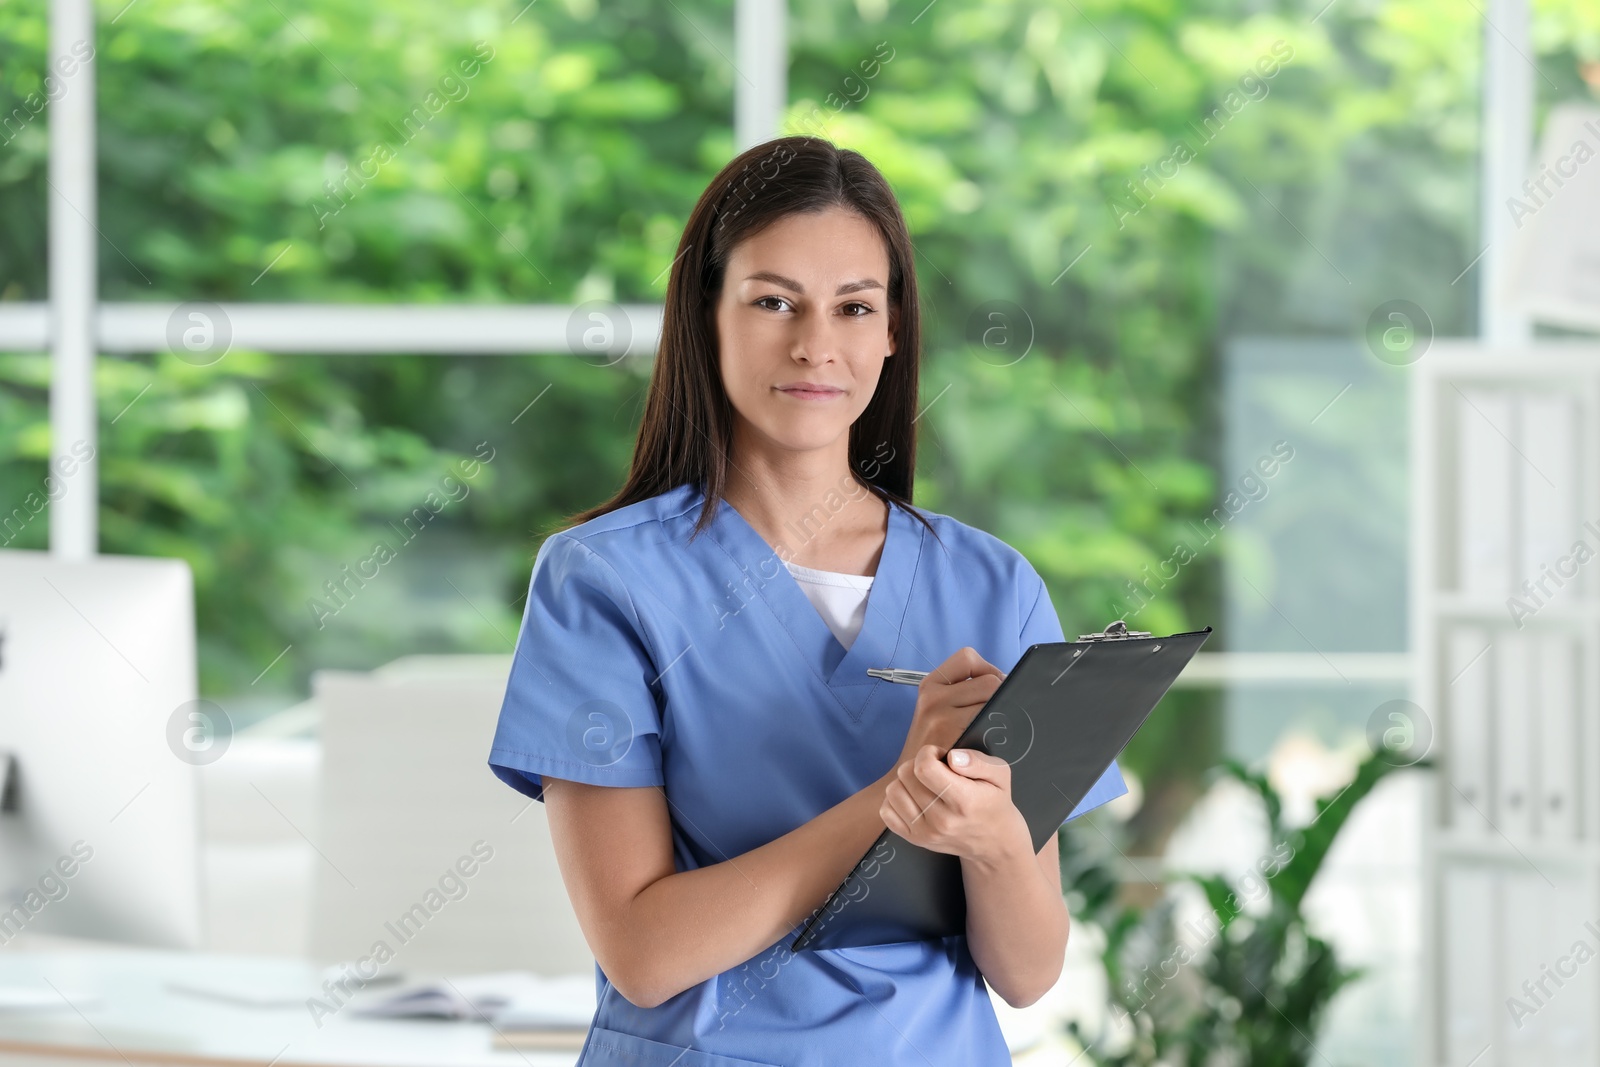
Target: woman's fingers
{"points": [[976, 690], [964, 663], [983, 767], [899, 799], [920, 794], [907, 796]]}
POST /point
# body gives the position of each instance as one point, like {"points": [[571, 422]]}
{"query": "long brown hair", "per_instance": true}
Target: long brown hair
{"points": [[686, 434]]}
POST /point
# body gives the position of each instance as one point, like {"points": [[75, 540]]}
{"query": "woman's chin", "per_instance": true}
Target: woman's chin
{"points": [[802, 434]]}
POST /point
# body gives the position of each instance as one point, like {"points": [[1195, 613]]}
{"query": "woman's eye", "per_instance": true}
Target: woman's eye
{"points": [[854, 310]]}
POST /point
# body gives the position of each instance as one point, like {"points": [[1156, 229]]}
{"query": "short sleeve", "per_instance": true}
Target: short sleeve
{"points": [[1043, 627], [582, 700]]}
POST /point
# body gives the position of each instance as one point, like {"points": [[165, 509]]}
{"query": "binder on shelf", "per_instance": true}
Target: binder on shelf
{"points": [[1467, 744], [1528, 907], [1485, 482], [1468, 1005], [1560, 785], [1548, 492], [1566, 916], [1514, 726]]}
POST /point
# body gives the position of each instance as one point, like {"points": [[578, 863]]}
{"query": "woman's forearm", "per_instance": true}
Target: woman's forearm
{"points": [[689, 926], [1016, 921]]}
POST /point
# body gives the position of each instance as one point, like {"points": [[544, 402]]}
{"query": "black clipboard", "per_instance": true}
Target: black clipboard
{"points": [[1062, 715]]}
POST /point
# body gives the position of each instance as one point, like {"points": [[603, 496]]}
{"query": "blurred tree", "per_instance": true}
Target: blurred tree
{"points": [[1078, 268], [343, 153]]}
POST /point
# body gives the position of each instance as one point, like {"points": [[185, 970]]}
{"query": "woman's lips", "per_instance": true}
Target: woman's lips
{"points": [[800, 393]]}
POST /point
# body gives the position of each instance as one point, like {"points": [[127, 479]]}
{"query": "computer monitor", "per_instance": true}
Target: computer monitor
{"points": [[99, 828]]}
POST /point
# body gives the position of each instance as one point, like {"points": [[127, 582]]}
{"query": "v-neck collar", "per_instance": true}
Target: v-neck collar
{"points": [[879, 639]]}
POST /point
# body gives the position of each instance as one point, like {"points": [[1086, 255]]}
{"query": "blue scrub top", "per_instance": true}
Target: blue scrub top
{"points": [[645, 659]]}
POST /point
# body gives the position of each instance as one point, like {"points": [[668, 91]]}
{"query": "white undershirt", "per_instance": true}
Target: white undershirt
{"points": [[841, 599]]}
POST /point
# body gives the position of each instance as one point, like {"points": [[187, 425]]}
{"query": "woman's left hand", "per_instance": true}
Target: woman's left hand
{"points": [[963, 809]]}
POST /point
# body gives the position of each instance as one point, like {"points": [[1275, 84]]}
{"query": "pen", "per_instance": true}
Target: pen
{"points": [[1117, 631], [895, 674]]}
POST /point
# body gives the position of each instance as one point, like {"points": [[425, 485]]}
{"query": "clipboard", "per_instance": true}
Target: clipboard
{"points": [[1062, 715]]}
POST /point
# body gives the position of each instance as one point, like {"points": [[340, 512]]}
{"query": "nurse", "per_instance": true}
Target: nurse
{"points": [[689, 694]]}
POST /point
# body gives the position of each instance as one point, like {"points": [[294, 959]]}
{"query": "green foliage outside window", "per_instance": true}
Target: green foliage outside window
{"points": [[343, 152]]}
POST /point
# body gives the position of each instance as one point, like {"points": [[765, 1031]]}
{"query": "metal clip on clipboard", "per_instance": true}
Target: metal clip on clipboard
{"points": [[1117, 630]]}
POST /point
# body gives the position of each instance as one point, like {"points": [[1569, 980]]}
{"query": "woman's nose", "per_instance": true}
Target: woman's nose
{"points": [[815, 339]]}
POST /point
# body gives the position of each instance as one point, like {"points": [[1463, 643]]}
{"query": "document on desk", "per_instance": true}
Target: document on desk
{"points": [[516, 999], [35, 998], [284, 990]]}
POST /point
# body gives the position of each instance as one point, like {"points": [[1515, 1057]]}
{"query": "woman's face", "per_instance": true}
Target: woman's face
{"points": [[804, 301]]}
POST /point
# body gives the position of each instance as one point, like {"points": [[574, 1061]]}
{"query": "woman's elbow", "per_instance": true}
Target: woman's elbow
{"points": [[641, 985], [1029, 989], [649, 994], [639, 996], [1027, 996], [637, 988], [1020, 1001]]}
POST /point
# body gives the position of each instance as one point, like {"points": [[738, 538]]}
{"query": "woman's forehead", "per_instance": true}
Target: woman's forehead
{"points": [[825, 249]]}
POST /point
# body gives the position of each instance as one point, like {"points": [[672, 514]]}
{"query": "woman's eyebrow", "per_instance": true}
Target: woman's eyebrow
{"points": [[790, 283]]}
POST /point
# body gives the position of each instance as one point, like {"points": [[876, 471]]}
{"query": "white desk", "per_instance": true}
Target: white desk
{"points": [[134, 1018]]}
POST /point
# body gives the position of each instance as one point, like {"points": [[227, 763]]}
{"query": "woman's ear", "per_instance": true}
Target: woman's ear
{"points": [[894, 330]]}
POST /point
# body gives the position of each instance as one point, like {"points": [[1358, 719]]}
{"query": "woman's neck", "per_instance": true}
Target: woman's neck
{"points": [[831, 523]]}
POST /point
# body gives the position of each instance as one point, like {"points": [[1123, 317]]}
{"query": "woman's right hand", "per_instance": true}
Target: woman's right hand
{"points": [[948, 699]]}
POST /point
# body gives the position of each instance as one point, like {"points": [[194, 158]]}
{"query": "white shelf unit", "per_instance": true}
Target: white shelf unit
{"points": [[1505, 447]]}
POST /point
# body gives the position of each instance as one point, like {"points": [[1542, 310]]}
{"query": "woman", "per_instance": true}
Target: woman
{"points": [[689, 692]]}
